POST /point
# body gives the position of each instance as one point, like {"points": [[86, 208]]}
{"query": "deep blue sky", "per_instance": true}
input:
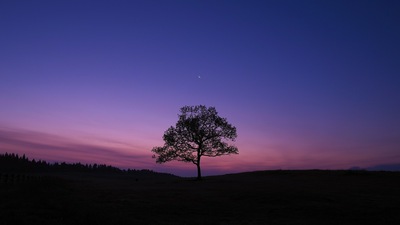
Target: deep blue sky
{"points": [[308, 84]]}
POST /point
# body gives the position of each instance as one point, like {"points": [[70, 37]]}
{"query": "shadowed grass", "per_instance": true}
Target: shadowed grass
{"points": [[267, 197]]}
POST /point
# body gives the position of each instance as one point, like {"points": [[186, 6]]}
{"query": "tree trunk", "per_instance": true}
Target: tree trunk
{"points": [[198, 171], [198, 166]]}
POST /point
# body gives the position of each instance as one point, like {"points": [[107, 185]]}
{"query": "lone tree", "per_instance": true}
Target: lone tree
{"points": [[198, 132]]}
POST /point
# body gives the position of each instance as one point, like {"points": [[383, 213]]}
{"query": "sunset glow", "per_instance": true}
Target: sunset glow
{"points": [[308, 84]]}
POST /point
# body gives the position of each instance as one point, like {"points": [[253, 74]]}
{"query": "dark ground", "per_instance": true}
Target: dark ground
{"points": [[270, 197]]}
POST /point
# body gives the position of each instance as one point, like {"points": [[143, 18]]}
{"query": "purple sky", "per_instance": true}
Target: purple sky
{"points": [[308, 84]]}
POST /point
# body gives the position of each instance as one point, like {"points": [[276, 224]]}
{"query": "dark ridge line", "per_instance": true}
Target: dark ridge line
{"points": [[11, 162]]}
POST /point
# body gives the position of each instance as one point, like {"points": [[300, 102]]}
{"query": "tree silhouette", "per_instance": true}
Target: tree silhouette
{"points": [[13, 163], [198, 132]]}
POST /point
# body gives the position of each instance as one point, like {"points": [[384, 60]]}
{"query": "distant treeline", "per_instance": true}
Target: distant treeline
{"points": [[10, 162]]}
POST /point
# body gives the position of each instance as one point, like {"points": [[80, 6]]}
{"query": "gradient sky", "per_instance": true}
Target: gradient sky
{"points": [[308, 84]]}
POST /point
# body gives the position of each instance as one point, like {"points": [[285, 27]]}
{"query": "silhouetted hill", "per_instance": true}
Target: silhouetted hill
{"points": [[385, 167], [263, 197], [381, 167]]}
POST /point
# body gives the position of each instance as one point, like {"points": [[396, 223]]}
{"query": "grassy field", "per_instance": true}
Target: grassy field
{"points": [[268, 197]]}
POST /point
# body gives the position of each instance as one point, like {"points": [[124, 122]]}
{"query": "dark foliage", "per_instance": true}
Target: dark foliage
{"points": [[200, 131], [13, 163]]}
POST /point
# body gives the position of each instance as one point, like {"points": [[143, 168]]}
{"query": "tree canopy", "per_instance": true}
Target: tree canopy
{"points": [[200, 131]]}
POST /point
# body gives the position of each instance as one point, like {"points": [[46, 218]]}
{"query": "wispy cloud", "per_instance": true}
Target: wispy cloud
{"points": [[52, 147]]}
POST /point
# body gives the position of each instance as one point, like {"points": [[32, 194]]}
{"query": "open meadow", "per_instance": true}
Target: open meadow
{"points": [[265, 197]]}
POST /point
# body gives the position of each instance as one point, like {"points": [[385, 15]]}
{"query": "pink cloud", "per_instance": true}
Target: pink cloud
{"points": [[54, 148], [255, 152]]}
